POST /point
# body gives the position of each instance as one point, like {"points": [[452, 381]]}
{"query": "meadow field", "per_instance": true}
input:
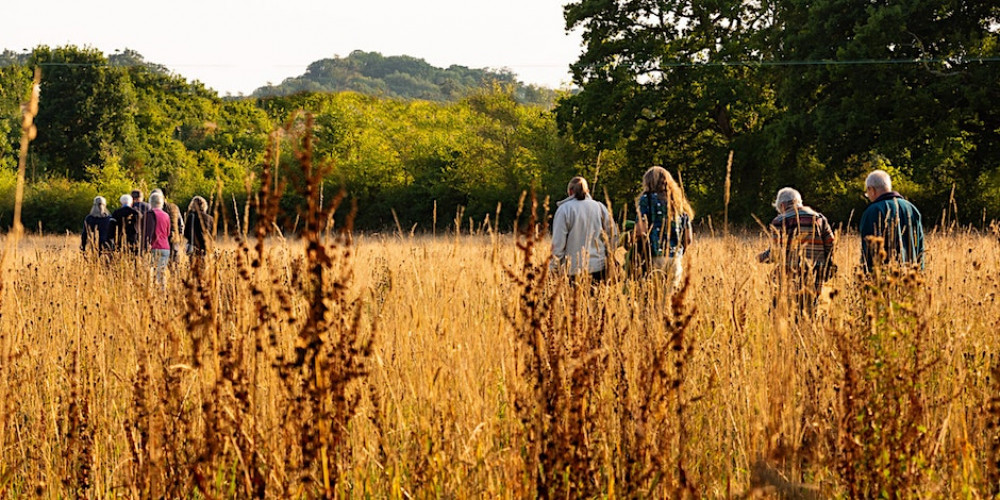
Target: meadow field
{"points": [[395, 366]]}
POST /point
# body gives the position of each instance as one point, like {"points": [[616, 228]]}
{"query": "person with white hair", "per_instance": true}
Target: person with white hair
{"points": [[157, 231], [126, 225], [802, 242], [176, 225], [891, 227], [98, 228], [582, 231]]}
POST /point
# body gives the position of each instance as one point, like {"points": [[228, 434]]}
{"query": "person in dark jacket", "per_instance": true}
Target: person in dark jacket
{"points": [[126, 226], [891, 228], [665, 223], [140, 206], [98, 228], [143, 208], [198, 227]]}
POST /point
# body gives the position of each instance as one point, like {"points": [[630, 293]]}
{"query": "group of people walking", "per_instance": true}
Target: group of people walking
{"points": [[156, 228], [584, 234]]}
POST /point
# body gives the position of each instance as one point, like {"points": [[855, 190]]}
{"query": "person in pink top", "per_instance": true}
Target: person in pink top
{"points": [[157, 231]]}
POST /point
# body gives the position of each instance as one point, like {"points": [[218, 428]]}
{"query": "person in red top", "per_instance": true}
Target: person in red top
{"points": [[157, 231]]}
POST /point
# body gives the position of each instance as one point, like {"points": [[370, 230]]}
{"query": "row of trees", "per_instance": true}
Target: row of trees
{"points": [[108, 124], [808, 93], [405, 160], [811, 94], [403, 77]]}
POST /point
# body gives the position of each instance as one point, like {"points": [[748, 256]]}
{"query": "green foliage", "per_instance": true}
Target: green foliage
{"points": [[8, 183], [798, 90], [410, 157], [401, 77], [86, 111], [934, 120], [58, 204], [110, 124], [110, 180], [644, 92], [15, 83]]}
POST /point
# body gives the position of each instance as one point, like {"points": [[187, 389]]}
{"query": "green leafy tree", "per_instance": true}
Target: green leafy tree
{"points": [[658, 81], [805, 93], [906, 80], [15, 82], [401, 77], [86, 111]]}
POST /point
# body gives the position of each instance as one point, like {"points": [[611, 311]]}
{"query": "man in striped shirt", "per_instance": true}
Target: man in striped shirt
{"points": [[802, 242]]}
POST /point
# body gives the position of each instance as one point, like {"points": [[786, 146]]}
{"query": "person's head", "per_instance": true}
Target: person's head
{"points": [[100, 208], [787, 199], [198, 204], [157, 190], [658, 180], [156, 200], [136, 195], [578, 188], [876, 184], [125, 200]]}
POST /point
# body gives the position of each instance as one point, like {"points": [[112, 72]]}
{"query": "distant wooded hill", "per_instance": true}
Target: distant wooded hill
{"points": [[403, 77]]}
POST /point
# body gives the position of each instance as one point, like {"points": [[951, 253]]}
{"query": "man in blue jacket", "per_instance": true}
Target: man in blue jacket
{"points": [[891, 229]]}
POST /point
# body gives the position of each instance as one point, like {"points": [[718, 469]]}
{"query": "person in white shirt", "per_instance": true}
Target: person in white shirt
{"points": [[582, 233]]}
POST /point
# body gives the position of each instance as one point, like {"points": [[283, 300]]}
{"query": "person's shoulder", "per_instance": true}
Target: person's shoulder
{"points": [[817, 215], [647, 199], [874, 207], [591, 202], [653, 197]]}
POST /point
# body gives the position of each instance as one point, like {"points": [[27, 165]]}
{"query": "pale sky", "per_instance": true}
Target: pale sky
{"points": [[236, 46]]}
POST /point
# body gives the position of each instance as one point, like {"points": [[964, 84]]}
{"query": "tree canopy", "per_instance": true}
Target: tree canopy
{"points": [[402, 77], [804, 93], [108, 124]]}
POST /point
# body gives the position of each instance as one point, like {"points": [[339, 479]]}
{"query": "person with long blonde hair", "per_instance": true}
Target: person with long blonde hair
{"points": [[664, 223]]}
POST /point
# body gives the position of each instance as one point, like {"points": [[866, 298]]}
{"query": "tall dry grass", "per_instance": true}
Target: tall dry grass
{"points": [[343, 366], [465, 382]]}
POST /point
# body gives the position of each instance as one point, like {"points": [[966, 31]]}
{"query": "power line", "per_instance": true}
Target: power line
{"points": [[668, 64], [831, 62]]}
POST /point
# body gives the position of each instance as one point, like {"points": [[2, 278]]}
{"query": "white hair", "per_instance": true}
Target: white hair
{"points": [[100, 207], [156, 200], [787, 196], [157, 190], [125, 200], [879, 180]]}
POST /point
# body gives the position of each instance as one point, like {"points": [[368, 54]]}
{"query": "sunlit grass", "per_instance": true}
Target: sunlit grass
{"points": [[437, 407]]}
